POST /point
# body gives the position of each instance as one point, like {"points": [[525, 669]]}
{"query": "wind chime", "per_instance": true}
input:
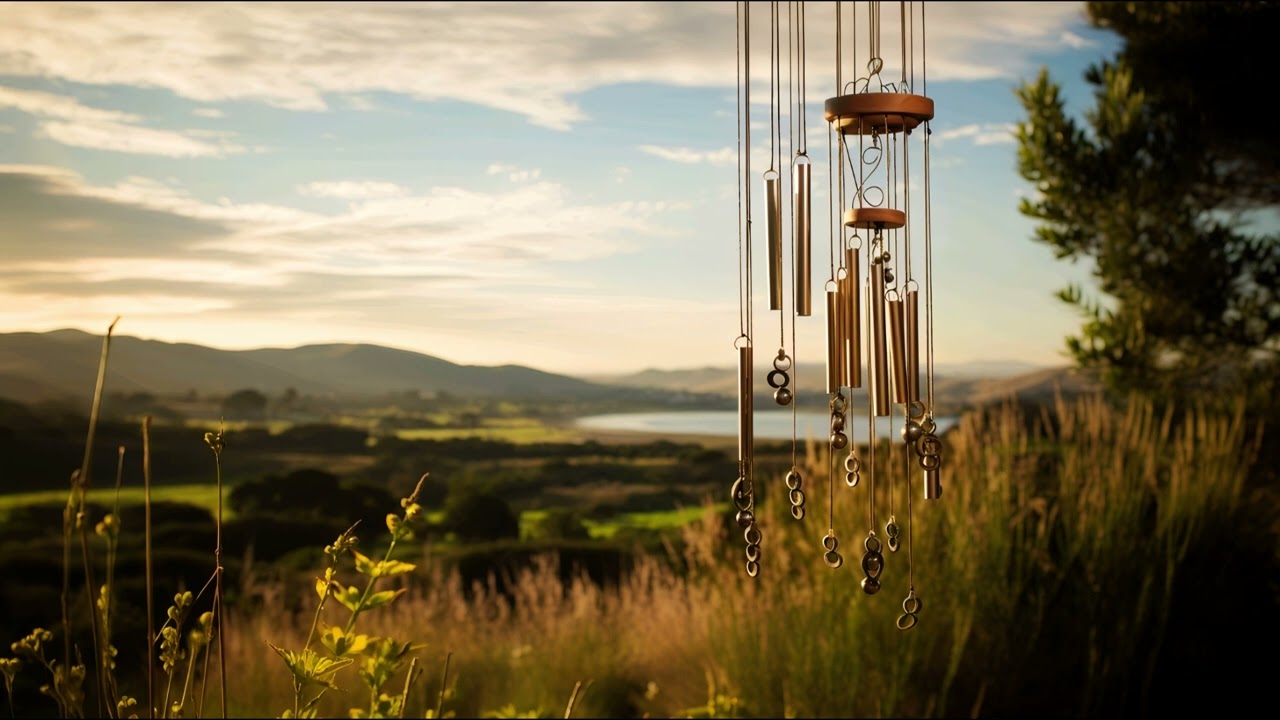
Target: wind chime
{"points": [[872, 120]]}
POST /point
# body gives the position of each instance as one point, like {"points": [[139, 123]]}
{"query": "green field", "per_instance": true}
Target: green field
{"points": [[205, 496]]}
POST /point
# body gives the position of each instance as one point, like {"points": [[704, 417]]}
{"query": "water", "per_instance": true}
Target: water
{"points": [[770, 424]]}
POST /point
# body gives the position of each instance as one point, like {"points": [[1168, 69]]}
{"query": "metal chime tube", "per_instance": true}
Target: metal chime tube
{"points": [[932, 483], [842, 342], [833, 366], [803, 206], [773, 200], [898, 349], [912, 322], [853, 328], [746, 426], [879, 364]]}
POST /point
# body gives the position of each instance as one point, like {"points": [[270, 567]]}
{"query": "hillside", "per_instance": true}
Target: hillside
{"points": [[63, 364]]}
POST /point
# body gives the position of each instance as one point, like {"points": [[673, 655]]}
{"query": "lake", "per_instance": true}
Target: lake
{"points": [[770, 424]]}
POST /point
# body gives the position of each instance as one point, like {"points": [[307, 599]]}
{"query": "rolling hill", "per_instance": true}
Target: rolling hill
{"points": [[63, 364]]}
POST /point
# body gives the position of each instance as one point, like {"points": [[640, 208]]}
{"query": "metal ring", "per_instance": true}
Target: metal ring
{"points": [[837, 403], [928, 424], [782, 355], [929, 445], [907, 621], [852, 463], [797, 512], [794, 479], [831, 546], [796, 492], [753, 553], [851, 479], [872, 544], [833, 559], [930, 462], [785, 379], [752, 532], [753, 568], [849, 242], [873, 564], [775, 174], [912, 604], [736, 346]]}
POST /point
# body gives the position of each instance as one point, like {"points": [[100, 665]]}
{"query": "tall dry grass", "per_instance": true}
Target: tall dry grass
{"points": [[1049, 572]]}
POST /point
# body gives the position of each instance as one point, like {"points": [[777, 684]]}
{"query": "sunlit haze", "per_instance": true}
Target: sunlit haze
{"points": [[550, 185]]}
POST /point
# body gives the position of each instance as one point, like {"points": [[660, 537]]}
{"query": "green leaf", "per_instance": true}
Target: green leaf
{"points": [[308, 667], [364, 565], [342, 644], [349, 596], [384, 597]]}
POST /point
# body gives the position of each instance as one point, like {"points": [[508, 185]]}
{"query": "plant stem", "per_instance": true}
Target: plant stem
{"points": [[151, 628], [444, 682], [218, 614], [408, 682]]}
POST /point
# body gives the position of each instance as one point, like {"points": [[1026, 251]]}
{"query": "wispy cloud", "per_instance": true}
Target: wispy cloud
{"points": [[513, 173], [723, 157], [208, 112], [978, 133], [352, 189], [536, 58], [66, 120]]}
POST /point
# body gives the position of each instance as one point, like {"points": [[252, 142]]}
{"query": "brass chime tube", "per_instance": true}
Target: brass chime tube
{"points": [[912, 322], [746, 426], [853, 328], [879, 364], [932, 483], [842, 341], [800, 183], [898, 349], [773, 202], [833, 340]]}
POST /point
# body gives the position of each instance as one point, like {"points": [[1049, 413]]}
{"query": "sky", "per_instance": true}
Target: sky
{"points": [[544, 184]]}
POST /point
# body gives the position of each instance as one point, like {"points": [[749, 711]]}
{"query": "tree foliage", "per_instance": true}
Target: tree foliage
{"points": [[1164, 206]]}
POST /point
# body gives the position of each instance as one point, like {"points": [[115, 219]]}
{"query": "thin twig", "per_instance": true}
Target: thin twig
{"points": [[444, 681], [578, 686], [408, 682], [151, 627]]}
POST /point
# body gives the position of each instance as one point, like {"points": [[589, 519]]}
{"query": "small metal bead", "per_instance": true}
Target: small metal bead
{"points": [[839, 440], [745, 518], [870, 585], [782, 396], [912, 431]]}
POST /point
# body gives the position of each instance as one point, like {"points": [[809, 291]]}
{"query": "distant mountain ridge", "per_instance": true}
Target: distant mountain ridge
{"points": [[39, 366]]}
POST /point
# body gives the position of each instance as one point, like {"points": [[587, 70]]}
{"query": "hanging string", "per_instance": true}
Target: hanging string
{"points": [[782, 309], [902, 12], [737, 57]]}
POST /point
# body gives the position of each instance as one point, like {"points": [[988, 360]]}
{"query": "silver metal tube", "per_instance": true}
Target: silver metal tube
{"points": [[800, 183], [773, 202]]}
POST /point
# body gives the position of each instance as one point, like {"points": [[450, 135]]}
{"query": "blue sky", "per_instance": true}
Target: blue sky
{"points": [[543, 184]]}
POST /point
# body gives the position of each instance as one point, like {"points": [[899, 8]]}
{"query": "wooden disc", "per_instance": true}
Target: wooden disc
{"points": [[879, 113], [874, 218]]}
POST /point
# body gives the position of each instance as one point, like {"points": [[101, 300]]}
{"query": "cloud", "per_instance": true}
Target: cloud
{"points": [[724, 157], [352, 189], [387, 245], [208, 112], [65, 120], [1076, 42], [6, 129], [513, 173], [532, 60], [978, 133]]}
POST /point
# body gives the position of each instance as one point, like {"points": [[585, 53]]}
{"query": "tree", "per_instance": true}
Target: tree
{"points": [[245, 405], [1152, 192], [477, 515]]}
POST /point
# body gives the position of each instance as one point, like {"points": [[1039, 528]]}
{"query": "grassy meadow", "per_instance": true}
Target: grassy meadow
{"points": [[1089, 559]]}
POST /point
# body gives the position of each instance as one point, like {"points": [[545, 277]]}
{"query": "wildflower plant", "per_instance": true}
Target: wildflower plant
{"points": [[378, 660]]}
